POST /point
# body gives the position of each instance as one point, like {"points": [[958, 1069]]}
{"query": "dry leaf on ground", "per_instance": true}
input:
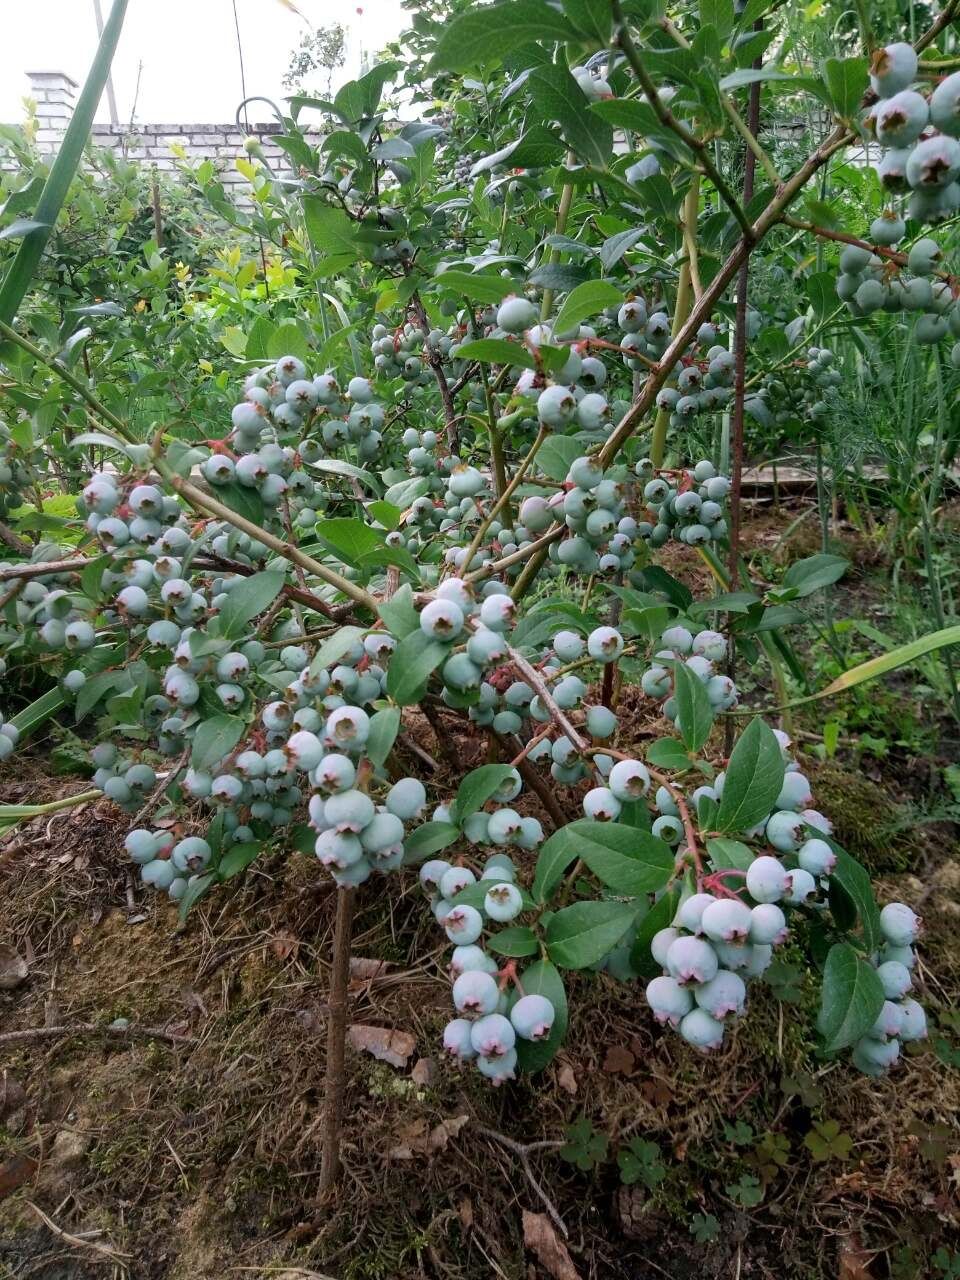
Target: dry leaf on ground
{"points": [[13, 969], [619, 1061], [363, 969], [416, 1139], [390, 1046], [540, 1238]]}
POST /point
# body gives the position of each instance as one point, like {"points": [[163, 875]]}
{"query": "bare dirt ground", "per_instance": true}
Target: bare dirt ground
{"points": [[187, 1146]]}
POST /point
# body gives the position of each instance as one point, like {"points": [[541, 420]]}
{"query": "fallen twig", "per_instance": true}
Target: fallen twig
{"points": [[522, 1151]]}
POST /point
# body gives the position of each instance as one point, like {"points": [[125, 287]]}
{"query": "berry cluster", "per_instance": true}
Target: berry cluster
{"points": [[901, 1019], [688, 506], [20, 469]]}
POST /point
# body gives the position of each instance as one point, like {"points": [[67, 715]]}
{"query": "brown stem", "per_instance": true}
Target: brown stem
{"points": [[531, 776], [539, 685], [436, 364], [133, 1031], [14, 541], [336, 1040]]}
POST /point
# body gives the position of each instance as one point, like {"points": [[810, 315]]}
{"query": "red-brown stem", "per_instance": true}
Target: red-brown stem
{"points": [[336, 1040]]}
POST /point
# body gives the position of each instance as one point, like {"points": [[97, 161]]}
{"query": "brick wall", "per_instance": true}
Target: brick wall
{"points": [[151, 143]]}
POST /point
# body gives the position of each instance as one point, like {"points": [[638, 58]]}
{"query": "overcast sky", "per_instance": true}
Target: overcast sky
{"points": [[187, 48]]}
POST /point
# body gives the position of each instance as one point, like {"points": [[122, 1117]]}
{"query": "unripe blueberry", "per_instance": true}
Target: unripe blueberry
{"points": [[191, 854], [767, 878], [605, 644], [894, 67], [498, 1070], [516, 314], [469, 957], [441, 620], [504, 826], [660, 944], [160, 873], [533, 1017], [668, 828], [913, 1024], [601, 804], [335, 773], [889, 1022], [348, 727], [338, 850], [432, 872], [691, 960], [456, 1040], [349, 811], [141, 845], [503, 902], [901, 119], [816, 856], [895, 979], [945, 105], [725, 993], [899, 925], [629, 780], [455, 880], [690, 913], [701, 1030], [668, 1000], [406, 798], [475, 993], [493, 1035], [463, 924], [556, 406], [384, 831], [784, 831], [601, 722], [726, 920], [873, 1057], [768, 924]]}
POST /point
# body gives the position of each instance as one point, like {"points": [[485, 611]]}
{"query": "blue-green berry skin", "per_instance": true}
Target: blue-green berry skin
{"points": [[629, 780], [159, 874], [141, 845], [691, 960], [432, 872], [601, 722], [456, 1040], [500, 1069], [895, 979], [503, 902], [724, 994], [441, 620], [701, 1030], [532, 1017], [767, 879], [784, 830], [406, 798], [493, 1036], [726, 920], [455, 880], [668, 828], [475, 993], [913, 1025], [668, 1001], [899, 925], [605, 644]]}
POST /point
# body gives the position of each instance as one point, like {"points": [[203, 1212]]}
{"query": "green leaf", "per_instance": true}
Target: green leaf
{"points": [[542, 979], [580, 935], [810, 575], [427, 839], [846, 81], [248, 598], [384, 727], [330, 230], [627, 860], [237, 858], [411, 665], [753, 779], [482, 287], [615, 246], [556, 854], [484, 34], [477, 788], [560, 98], [334, 647], [886, 663], [660, 916], [385, 513], [850, 878], [21, 227], [719, 14], [586, 300], [214, 739], [851, 1000], [194, 893], [400, 613], [405, 492], [497, 351], [288, 340], [39, 711], [667, 753], [244, 501], [726, 854], [556, 454], [340, 467], [693, 707], [592, 17], [258, 339], [349, 539], [518, 940], [18, 277]]}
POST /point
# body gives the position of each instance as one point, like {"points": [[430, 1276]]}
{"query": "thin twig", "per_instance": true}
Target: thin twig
{"points": [[523, 1150], [133, 1031]]}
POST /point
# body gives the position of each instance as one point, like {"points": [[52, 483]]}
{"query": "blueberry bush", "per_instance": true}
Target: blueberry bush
{"points": [[449, 472]]}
